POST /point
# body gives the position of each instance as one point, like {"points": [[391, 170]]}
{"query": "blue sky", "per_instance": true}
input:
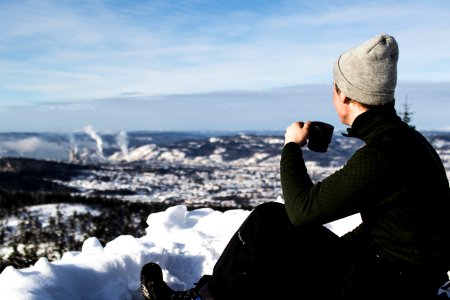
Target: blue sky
{"points": [[203, 64]]}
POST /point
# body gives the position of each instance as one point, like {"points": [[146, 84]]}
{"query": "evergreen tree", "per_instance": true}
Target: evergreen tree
{"points": [[406, 113]]}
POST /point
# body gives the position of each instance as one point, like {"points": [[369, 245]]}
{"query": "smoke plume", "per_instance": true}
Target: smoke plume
{"points": [[98, 140], [122, 141]]}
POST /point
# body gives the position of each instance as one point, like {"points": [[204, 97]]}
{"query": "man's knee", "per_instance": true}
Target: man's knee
{"points": [[268, 214], [270, 208]]}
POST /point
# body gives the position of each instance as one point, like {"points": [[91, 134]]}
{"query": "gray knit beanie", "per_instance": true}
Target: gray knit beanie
{"points": [[368, 73]]}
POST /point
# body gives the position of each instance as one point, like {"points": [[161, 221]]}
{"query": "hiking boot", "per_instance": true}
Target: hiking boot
{"points": [[153, 286]]}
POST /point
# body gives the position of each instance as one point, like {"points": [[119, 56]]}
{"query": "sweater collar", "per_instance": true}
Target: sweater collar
{"points": [[372, 122]]}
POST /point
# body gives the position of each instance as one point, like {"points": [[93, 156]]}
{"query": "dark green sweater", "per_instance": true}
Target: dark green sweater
{"points": [[396, 181]]}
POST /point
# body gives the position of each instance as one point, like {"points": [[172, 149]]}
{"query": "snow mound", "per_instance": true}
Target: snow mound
{"points": [[185, 243]]}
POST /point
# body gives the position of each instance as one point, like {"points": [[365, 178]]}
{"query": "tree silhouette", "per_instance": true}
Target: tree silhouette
{"points": [[406, 113]]}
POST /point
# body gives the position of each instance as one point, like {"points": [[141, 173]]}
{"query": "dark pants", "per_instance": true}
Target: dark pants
{"points": [[269, 258]]}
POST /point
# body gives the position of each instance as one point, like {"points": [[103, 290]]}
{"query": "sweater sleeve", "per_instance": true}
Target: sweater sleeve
{"points": [[341, 194], [295, 181]]}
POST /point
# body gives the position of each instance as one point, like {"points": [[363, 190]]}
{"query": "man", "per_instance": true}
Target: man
{"points": [[396, 181]]}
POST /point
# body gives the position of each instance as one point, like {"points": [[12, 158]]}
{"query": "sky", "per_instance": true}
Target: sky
{"points": [[206, 65], [186, 244]]}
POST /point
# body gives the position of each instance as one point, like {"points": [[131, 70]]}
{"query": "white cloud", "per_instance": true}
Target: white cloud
{"points": [[95, 50], [31, 144], [270, 109]]}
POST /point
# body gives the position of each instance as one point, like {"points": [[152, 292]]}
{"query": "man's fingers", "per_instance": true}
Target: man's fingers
{"points": [[307, 124]]}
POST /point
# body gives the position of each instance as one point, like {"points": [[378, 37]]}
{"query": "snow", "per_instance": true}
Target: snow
{"points": [[44, 211], [185, 243]]}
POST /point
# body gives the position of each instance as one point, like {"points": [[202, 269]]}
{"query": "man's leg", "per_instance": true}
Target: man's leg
{"points": [[265, 249]]}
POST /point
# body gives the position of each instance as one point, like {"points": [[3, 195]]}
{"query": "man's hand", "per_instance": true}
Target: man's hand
{"points": [[297, 132]]}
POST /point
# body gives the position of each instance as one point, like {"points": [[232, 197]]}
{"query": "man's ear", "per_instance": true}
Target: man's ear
{"points": [[344, 99]]}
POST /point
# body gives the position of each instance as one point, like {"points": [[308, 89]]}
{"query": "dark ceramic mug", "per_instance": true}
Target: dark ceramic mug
{"points": [[319, 136]]}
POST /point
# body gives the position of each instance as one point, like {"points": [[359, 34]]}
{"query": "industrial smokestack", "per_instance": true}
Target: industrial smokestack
{"points": [[73, 149]]}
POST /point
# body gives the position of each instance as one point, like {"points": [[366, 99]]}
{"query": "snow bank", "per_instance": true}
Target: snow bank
{"points": [[185, 243]]}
